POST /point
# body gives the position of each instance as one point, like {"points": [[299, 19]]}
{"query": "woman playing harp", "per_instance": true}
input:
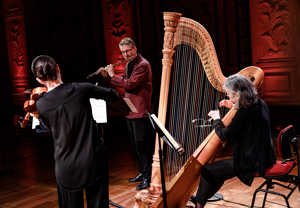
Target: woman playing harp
{"points": [[195, 85], [249, 134]]}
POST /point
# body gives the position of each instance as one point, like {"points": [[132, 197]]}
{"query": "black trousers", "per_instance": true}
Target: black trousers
{"points": [[96, 196], [212, 178], [142, 141], [96, 193]]}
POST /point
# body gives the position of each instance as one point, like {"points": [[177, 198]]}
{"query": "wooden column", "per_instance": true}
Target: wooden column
{"points": [[17, 50], [117, 24], [272, 36]]}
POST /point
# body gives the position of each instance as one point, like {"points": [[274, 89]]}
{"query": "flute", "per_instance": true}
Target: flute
{"points": [[104, 69]]}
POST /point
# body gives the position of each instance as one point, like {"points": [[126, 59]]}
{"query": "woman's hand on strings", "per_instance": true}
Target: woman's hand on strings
{"points": [[226, 103]]}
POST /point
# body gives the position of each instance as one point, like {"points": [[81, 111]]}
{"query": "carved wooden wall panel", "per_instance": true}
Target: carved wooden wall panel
{"points": [[117, 24], [16, 46], [272, 43]]}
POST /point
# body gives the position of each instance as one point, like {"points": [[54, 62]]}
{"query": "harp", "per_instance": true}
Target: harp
{"points": [[190, 88]]}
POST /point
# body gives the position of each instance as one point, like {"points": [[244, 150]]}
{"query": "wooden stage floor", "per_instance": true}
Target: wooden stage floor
{"points": [[29, 181]]}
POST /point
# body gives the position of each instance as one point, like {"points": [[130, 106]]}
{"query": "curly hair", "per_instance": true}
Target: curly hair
{"points": [[239, 84], [44, 68]]}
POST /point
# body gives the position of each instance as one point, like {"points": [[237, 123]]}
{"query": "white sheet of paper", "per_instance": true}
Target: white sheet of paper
{"points": [[35, 122], [165, 131], [99, 110]]}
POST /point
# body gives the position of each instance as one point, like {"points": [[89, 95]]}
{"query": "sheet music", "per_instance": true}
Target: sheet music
{"points": [[167, 134], [35, 122], [99, 110], [130, 105]]}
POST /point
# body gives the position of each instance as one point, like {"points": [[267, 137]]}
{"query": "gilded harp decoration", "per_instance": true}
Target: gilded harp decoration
{"points": [[191, 85]]}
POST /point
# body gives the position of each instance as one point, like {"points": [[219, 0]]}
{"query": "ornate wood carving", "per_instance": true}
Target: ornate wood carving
{"points": [[117, 24], [272, 50], [17, 50]]}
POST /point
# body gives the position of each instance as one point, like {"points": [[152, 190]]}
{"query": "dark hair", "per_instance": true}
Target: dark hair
{"points": [[44, 68], [239, 84]]}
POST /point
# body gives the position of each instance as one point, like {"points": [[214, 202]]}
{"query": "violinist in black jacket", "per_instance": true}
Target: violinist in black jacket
{"points": [[249, 133], [79, 153]]}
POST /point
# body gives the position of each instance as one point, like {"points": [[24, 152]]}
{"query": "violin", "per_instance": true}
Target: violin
{"points": [[30, 105]]}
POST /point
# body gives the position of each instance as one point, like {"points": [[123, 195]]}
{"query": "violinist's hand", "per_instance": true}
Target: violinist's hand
{"points": [[110, 70], [226, 103], [214, 114]]}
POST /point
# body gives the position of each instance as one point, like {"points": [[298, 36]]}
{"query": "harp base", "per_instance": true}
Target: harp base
{"points": [[146, 198]]}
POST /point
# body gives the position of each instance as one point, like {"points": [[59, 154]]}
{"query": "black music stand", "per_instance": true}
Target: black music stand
{"points": [[101, 129], [161, 131]]}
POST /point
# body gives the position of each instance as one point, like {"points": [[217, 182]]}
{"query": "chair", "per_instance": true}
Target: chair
{"points": [[280, 173]]}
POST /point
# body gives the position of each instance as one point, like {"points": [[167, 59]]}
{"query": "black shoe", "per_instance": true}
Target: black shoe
{"points": [[144, 184], [137, 178]]}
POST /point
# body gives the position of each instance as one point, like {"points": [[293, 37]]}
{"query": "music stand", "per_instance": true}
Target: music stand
{"points": [[166, 136]]}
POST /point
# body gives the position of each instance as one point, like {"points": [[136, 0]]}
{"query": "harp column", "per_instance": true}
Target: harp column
{"points": [[145, 198]]}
